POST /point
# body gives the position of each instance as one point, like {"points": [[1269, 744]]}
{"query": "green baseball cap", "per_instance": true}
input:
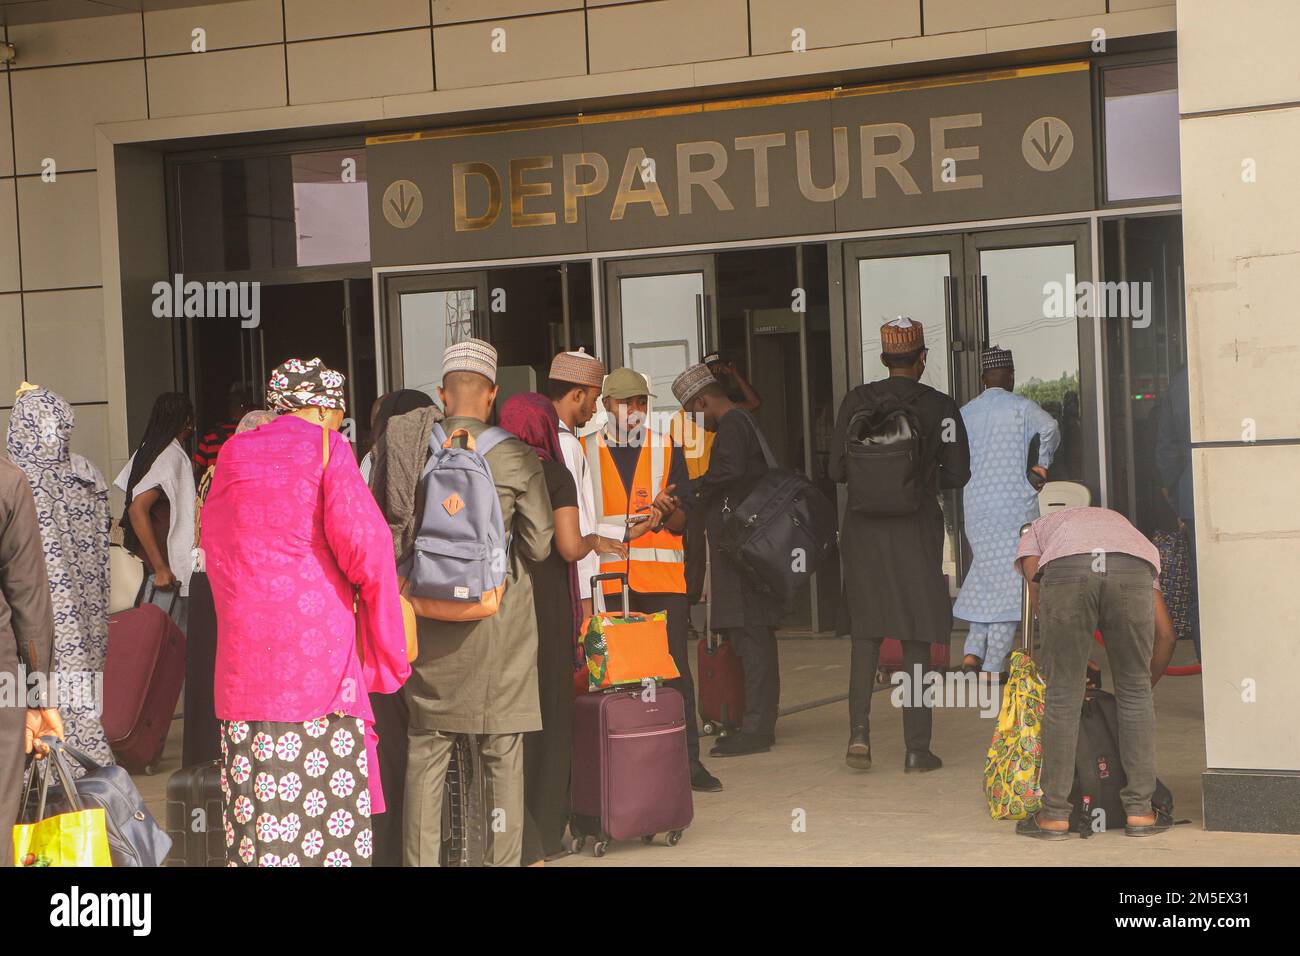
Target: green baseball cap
{"points": [[626, 383]]}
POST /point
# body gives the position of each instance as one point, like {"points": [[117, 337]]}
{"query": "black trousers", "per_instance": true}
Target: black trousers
{"points": [[917, 721], [201, 735], [392, 722], [678, 610], [757, 649]]}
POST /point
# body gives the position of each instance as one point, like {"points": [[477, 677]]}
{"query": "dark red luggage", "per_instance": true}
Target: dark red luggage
{"points": [[891, 656], [630, 772], [722, 685], [143, 675]]}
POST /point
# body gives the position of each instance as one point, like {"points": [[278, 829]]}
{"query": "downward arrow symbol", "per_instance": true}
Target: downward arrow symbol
{"points": [[402, 205], [1049, 153]]}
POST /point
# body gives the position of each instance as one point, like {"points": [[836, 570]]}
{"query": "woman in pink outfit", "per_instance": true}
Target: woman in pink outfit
{"points": [[291, 536]]}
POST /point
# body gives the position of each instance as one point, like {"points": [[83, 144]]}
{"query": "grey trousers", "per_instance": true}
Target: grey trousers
{"points": [[13, 760], [428, 756], [1074, 600]]}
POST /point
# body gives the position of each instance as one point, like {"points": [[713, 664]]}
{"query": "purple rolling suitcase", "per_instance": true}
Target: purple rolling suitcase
{"points": [[630, 772]]}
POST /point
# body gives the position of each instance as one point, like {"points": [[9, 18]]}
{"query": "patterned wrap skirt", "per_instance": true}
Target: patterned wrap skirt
{"points": [[296, 794]]}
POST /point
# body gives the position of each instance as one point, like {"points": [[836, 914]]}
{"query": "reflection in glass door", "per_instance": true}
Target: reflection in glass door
{"points": [[661, 318], [426, 313], [1026, 301]]}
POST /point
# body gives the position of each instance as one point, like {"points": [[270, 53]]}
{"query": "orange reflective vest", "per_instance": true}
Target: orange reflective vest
{"points": [[656, 562]]}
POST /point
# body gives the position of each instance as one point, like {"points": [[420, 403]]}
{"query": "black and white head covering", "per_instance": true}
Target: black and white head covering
{"points": [[304, 383], [995, 357]]}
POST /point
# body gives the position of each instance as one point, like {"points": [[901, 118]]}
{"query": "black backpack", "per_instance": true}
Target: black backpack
{"points": [[883, 455], [783, 530], [1099, 772]]}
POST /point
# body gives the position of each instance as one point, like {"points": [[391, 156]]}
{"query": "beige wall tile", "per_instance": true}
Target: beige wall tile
{"points": [[1123, 6], [665, 32], [353, 68], [536, 48], [6, 130], [1233, 55], [55, 110], [54, 320], [1248, 549], [309, 19], [60, 231], [90, 438], [1045, 33], [89, 39], [216, 82], [1241, 259], [226, 25], [945, 16], [464, 11], [12, 371], [9, 278], [830, 22]]}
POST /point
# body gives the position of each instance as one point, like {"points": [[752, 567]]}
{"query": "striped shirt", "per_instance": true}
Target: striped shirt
{"points": [[1085, 531], [210, 444]]}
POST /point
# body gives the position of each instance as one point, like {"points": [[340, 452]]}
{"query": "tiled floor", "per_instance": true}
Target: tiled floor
{"points": [[884, 817]]}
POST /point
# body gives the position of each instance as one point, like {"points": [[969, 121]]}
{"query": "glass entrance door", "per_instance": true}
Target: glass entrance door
{"points": [[661, 318], [426, 313], [1016, 289]]}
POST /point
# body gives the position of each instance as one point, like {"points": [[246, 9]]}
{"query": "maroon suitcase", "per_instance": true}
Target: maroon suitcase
{"points": [[722, 685], [630, 773], [891, 656], [143, 674]]}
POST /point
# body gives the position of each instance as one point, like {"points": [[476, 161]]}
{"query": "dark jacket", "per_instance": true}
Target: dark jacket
{"points": [[892, 566], [736, 463]]}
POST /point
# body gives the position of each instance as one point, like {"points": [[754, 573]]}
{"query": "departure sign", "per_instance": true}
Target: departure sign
{"points": [[956, 149]]}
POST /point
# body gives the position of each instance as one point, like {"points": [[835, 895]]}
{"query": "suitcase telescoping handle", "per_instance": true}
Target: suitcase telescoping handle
{"points": [[1026, 611], [598, 594]]}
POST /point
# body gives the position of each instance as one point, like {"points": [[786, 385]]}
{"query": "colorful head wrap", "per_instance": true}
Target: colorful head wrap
{"points": [[303, 384]]}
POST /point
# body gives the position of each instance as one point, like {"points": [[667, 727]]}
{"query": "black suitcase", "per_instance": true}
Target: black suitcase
{"points": [[194, 817], [782, 532]]}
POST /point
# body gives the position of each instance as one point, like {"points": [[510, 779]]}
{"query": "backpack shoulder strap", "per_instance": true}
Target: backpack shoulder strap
{"points": [[437, 437], [489, 438]]}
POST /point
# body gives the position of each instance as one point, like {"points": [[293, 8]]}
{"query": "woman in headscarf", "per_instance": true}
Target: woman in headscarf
{"points": [[158, 522], [201, 738], [72, 509], [532, 418], [293, 543]]}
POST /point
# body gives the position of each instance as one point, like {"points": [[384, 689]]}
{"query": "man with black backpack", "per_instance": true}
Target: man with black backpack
{"points": [[897, 444]]}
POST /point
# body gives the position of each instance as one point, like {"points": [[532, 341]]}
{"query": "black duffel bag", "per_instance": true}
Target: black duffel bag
{"points": [[1099, 772], [782, 532]]}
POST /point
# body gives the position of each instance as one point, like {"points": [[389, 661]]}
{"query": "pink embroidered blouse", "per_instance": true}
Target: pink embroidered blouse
{"points": [[286, 539]]}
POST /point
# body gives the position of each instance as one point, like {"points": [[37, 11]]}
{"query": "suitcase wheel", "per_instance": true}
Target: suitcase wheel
{"points": [[648, 839], [674, 837], [600, 847], [709, 728]]}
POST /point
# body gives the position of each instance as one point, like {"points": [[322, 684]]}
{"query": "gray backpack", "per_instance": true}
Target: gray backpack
{"points": [[459, 567]]}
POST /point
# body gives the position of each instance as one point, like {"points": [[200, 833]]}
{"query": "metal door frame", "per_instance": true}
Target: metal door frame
{"points": [[645, 266], [396, 286]]}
